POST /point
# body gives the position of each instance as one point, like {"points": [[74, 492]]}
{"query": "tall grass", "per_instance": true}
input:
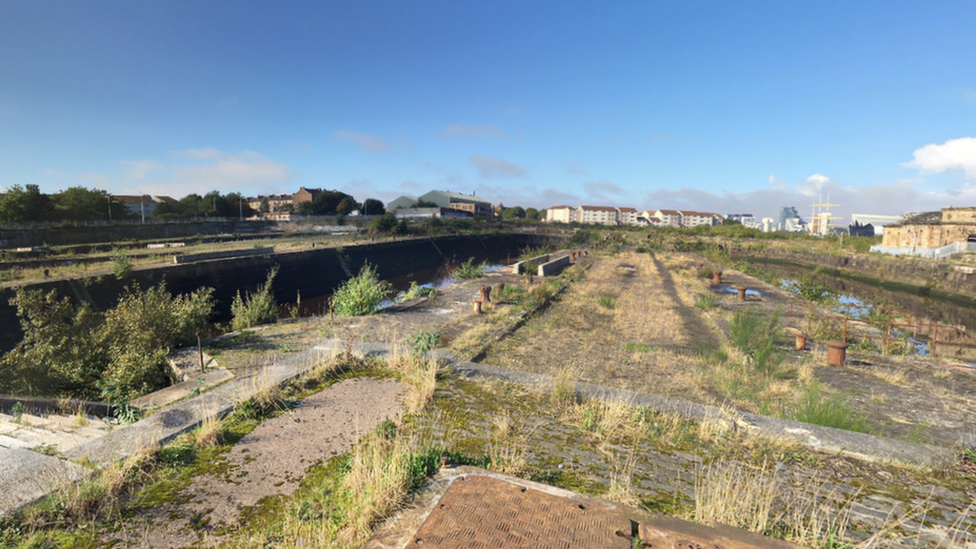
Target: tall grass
{"points": [[834, 410], [469, 269], [757, 336], [257, 308]]}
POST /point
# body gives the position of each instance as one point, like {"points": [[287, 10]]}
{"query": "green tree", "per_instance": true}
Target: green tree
{"points": [[24, 204], [424, 204], [346, 206], [384, 224], [82, 204], [531, 214], [513, 213], [372, 206], [264, 206]]}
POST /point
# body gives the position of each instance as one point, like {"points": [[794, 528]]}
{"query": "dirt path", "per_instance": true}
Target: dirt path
{"points": [[269, 461]]}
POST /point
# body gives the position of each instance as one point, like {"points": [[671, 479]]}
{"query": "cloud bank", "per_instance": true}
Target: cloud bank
{"points": [[954, 154], [489, 167], [366, 142]]}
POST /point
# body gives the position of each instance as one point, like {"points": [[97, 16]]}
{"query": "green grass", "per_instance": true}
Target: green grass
{"points": [[638, 347], [469, 269], [757, 335], [607, 301], [833, 410]]}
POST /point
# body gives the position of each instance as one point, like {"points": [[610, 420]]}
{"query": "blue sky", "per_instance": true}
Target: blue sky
{"points": [[719, 106]]}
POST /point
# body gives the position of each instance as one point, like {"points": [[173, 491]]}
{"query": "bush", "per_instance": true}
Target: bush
{"points": [[361, 294], [582, 236], [121, 266], [757, 336], [256, 308], [469, 269], [415, 291], [384, 224]]}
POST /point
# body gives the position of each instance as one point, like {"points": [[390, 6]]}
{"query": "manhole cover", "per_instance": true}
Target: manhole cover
{"points": [[483, 512]]}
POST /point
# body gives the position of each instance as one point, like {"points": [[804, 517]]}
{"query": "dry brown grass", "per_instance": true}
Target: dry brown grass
{"points": [[896, 377], [730, 493]]}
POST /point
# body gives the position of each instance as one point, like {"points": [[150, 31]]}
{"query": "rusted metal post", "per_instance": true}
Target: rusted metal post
{"points": [[477, 307], [716, 277], [801, 342], [836, 352], [742, 292], [486, 294], [200, 351], [935, 340], [888, 338]]}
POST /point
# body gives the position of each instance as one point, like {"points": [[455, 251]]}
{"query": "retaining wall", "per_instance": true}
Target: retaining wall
{"points": [[313, 272]]}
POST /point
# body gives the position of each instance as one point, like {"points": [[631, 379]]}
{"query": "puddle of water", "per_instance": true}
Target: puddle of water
{"points": [[730, 290]]}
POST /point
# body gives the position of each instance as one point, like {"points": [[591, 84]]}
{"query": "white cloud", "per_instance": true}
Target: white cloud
{"points": [[954, 154], [367, 142], [489, 166], [192, 171], [600, 187], [463, 130]]}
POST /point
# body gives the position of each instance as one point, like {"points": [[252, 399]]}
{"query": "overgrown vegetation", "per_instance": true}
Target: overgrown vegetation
{"points": [[758, 335], [415, 291], [469, 269], [121, 266], [255, 308], [70, 350], [361, 294], [833, 410]]}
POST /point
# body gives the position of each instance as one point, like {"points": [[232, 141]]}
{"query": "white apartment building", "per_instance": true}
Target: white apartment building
{"points": [[627, 216], [694, 219], [598, 215], [560, 214], [668, 218]]}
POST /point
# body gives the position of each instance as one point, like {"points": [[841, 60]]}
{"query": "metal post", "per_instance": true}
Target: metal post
{"points": [[200, 350], [888, 338]]}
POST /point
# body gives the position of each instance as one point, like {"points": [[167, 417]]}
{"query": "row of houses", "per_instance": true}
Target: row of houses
{"points": [[467, 205], [283, 203], [611, 215]]}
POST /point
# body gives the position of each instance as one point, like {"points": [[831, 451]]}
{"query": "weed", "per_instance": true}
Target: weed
{"points": [[469, 269], [415, 291], [564, 386], [757, 336], [828, 411], [705, 301], [423, 342], [17, 411], [607, 301], [361, 294], [121, 264], [256, 308], [639, 348]]}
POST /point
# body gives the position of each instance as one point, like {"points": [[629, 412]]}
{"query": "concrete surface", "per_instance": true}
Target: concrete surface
{"points": [[26, 477]]}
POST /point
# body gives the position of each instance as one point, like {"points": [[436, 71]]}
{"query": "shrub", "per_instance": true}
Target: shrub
{"points": [[256, 308], [415, 291], [423, 342], [384, 224], [757, 336], [469, 269], [582, 236], [705, 301], [361, 294], [121, 266]]}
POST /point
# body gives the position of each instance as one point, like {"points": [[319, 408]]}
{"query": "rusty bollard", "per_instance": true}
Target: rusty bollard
{"points": [[716, 277], [801, 342], [699, 265], [486, 294], [477, 307], [836, 352], [742, 292]]}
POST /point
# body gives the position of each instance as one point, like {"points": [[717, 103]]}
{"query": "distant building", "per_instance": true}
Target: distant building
{"points": [[694, 219], [768, 224], [422, 213], [627, 216], [446, 199], [787, 217], [401, 203], [304, 195], [141, 205], [747, 220], [597, 215], [932, 229], [877, 222], [275, 201], [561, 214]]}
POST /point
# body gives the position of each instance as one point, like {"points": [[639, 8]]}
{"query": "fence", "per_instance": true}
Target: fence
{"points": [[890, 329], [929, 253]]}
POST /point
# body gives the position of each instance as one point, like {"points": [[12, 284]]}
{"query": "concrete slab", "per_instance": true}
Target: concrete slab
{"points": [[26, 477], [153, 431], [825, 439]]}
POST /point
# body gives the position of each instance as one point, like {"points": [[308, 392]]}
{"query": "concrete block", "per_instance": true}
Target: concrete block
{"points": [[519, 267], [176, 392], [26, 477], [554, 267]]}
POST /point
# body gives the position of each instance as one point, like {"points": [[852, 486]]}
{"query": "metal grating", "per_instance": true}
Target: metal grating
{"points": [[483, 512]]}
